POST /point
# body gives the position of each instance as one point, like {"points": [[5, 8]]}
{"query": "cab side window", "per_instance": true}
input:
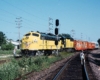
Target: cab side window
{"points": [[34, 34]]}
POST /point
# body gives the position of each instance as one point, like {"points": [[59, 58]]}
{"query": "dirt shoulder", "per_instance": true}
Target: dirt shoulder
{"points": [[94, 61]]}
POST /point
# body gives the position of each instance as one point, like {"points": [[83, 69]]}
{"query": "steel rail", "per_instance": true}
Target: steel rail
{"points": [[62, 69], [86, 73]]}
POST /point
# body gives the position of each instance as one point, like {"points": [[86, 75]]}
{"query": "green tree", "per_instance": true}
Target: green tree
{"points": [[2, 38], [3, 46], [98, 41], [8, 46]]}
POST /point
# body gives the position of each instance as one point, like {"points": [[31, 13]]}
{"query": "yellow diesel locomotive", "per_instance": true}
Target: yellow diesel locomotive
{"points": [[37, 43], [67, 44]]}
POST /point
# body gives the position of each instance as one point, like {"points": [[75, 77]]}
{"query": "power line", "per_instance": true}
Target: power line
{"points": [[23, 18], [6, 21], [30, 6], [34, 22], [22, 10], [8, 12], [14, 23]]}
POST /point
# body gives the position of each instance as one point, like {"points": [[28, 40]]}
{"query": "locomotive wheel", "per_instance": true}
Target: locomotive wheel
{"points": [[34, 53], [38, 53], [45, 53], [31, 53], [53, 52]]}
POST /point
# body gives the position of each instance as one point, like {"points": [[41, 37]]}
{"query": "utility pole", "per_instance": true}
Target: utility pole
{"points": [[18, 23], [72, 33], [50, 23]]}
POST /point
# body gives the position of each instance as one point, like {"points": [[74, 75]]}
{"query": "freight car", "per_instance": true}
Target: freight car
{"points": [[84, 45]]}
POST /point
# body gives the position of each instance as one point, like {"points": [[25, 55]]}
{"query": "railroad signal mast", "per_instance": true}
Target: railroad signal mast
{"points": [[56, 33]]}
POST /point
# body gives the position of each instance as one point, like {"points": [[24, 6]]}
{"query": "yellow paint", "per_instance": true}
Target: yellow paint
{"points": [[36, 43]]}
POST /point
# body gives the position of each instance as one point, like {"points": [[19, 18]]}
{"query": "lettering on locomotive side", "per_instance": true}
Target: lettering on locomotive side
{"points": [[35, 40]]}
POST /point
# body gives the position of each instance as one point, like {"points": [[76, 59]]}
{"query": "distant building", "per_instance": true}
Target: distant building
{"points": [[15, 43], [96, 44]]}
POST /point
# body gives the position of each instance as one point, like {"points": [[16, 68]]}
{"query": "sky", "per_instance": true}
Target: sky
{"points": [[80, 18]]}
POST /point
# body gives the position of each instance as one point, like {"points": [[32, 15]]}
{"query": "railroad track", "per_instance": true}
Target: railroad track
{"points": [[73, 70]]}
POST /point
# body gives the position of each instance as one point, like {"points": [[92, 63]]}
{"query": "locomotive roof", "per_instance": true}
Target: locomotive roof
{"points": [[47, 35]]}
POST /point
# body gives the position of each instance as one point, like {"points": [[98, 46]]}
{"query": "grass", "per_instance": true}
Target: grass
{"points": [[6, 52], [17, 68], [65, 54]]}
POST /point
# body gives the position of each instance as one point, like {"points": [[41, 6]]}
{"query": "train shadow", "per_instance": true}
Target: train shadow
{"points": [[95, 55], [95, 61]]}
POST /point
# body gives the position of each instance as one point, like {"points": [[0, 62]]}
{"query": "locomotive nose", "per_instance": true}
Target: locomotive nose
{"points": [[27, 37]]}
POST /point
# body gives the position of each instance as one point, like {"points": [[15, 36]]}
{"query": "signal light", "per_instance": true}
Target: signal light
{"points": [[56, 31], [56, 42], [57, 22]]}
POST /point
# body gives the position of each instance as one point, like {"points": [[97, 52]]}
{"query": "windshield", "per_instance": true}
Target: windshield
{"points": [[27, 34]]}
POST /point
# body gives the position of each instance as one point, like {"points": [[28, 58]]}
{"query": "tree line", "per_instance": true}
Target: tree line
{"points": [[98, 41], [4, 45]]}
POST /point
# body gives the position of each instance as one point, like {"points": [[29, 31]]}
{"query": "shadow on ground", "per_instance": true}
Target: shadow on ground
{"points": [[95, 55], [95, 61]]}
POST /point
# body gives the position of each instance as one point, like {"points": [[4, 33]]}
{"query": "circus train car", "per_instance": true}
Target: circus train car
{"points": [[37, 43]]}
